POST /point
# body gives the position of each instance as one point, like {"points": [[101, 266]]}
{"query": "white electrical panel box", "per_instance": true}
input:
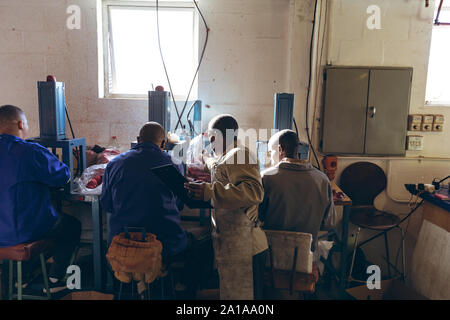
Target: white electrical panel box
{"points": [[414, 143]]}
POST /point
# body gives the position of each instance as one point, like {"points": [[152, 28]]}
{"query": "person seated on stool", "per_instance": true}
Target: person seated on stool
{"points": [[27, 170], [240, 245], [135, 197], [297, 196]]}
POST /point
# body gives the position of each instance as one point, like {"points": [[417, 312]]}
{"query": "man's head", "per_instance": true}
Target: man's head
{"points": [[283, 144], [13, 121], [152, 132], [222, 131]]}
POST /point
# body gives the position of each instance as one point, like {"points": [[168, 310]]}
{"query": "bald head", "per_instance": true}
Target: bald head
{"points": [[13, 121], [152, 132], [284, 144]]}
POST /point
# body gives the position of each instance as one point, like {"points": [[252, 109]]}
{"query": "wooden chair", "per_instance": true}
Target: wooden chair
{"points": [[291, 266]]}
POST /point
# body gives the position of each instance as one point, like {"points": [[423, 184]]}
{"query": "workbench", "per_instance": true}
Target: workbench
{"points": [[98, 245], [342, 240], [430, 271]]}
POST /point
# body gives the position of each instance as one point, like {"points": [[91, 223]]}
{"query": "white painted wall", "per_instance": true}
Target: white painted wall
{"points": [[246, 61]]}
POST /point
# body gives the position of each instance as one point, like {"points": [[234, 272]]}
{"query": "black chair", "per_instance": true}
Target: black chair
{"points": [[363, 182]]}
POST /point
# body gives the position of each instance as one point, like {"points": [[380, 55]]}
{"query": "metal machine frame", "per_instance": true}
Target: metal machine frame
{"points": [[67, 146]]}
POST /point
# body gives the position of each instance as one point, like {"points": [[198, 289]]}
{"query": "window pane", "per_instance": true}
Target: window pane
{"points": [[438, 85], [136, 59]]}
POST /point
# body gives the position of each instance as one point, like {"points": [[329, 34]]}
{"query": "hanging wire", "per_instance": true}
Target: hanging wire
{"points": [[309, 87], [199, 63], [180, 115], [162, 59]]}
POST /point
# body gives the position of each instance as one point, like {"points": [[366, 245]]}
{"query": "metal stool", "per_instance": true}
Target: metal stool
{"points": [[21, 253], [363, 182]]}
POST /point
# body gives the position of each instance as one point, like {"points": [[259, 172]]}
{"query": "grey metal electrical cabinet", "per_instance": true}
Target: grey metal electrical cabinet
{"points": [[365, 110], [52, 108]]}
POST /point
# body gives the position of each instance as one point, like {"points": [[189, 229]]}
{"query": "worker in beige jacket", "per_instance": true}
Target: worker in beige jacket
{"points": [[240, 245]]}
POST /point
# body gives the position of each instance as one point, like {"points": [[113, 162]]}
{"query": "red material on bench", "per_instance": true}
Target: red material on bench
{"points": [[25, 251]]}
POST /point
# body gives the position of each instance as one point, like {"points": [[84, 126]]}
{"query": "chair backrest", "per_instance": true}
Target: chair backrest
{"points": [[282, 248], [362, 182]]}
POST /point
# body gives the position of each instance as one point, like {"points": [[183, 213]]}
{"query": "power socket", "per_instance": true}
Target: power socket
{"points": [[420, 187]]}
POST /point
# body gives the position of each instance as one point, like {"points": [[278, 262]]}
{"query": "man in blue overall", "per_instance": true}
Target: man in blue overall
{"points": [[135, 197], [27, 170]]}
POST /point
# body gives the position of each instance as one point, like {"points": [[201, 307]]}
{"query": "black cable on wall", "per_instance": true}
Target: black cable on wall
{"points": [[309, 86]]}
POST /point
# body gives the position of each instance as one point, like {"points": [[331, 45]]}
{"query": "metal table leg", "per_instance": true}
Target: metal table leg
{"points": [[344, 239], [97, 227], [109, 275]]}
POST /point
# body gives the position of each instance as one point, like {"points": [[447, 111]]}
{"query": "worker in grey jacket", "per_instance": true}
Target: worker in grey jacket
{"points": [[297, 196]]}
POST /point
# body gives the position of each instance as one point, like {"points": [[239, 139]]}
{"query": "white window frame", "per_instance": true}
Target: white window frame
{"points": [[436, 103], [104, 53]]}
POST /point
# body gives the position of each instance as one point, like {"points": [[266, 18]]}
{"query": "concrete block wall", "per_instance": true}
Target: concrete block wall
{"points": [[246, 60]]}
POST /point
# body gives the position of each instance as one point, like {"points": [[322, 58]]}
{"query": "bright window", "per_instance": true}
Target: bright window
{"points": [[133, 64], [438, 84]]}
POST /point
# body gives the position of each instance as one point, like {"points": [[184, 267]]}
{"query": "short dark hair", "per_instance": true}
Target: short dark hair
{"points": [[289, 142], [152, 132], [10, 113], [223, 123]]}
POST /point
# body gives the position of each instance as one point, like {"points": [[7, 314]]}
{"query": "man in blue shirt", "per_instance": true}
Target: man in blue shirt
{"points": [[27, 170], [135, 197]]}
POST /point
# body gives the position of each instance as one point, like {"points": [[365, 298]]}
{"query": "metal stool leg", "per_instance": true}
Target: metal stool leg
{"points": [[403, 255], [386, 244], [10, 278], [72, 260], [355, 246], [19, 280], [44, 275], [120, 290], [172, 286]]}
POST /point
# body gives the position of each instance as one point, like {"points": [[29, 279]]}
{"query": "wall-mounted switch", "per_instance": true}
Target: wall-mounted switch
{"points": [[426, 127], [437, 127], [414, 126], [414, 121]]}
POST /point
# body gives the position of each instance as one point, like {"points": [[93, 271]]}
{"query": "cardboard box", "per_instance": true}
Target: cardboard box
{"points": [[391, 289]]}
